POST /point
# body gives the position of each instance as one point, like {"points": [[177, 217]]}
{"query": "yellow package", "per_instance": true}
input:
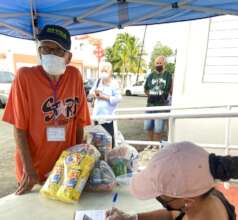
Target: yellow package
{"points": [[70, 173], [88, 163], [55, 179], [73, 159], [75, 180], [67, 191]]}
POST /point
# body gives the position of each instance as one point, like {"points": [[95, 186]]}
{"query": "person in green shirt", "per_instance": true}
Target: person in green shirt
{"points": [[157, 88]]}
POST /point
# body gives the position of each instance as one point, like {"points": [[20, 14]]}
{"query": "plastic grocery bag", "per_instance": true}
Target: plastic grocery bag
{"points": [[102, 178], [70, 173], [144, 157], [100, 138], [121, 159]]}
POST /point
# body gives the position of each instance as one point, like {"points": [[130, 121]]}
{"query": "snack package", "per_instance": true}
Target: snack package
{"points": [[100, 138], [74, 167], [102, 178], [75, 179], [55, 179]]}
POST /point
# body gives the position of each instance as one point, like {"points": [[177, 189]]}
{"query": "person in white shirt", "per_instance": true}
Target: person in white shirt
{"points": [[107, 95]]}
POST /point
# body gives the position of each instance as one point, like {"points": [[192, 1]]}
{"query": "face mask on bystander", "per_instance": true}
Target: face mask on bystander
{"points": [[160, 68], [104, 75]]}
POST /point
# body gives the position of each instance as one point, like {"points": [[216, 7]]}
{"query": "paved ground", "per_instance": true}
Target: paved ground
{"points": [[130, 129], [7, 166]]}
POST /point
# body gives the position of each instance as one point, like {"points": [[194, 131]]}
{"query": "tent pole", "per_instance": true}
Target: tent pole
{"points": [[34, 28], [142, 48], [33, 19]]}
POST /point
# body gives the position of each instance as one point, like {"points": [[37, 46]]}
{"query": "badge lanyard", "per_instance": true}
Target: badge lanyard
{"points": [[55, 133], [54, 88]]}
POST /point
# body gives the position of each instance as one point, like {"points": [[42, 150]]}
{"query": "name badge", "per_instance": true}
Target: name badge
{"points": [[56, 134]]}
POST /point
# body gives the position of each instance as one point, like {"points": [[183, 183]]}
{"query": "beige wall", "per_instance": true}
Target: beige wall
{"points": [[27, 60], [190, 90]]}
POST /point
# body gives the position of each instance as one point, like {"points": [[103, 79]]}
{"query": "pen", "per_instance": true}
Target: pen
{"points": [[114, 199]]}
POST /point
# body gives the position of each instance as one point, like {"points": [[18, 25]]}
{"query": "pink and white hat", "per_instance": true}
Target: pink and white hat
{"points": [[180, 170]]}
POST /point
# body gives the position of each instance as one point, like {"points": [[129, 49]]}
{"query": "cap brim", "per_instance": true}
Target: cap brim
{"points": [[55, 43], [142, 187]]}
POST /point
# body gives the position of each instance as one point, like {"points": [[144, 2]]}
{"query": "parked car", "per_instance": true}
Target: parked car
{"points": [[135, 89], [6, 79]]}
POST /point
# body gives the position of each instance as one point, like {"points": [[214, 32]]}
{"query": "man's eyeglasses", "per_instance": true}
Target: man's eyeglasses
{"points": [[56, 51]]}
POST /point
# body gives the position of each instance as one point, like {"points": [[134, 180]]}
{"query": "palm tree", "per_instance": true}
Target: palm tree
{"points": [[124, 56]]}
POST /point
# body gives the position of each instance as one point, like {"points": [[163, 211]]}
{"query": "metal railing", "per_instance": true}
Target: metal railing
{"points": [[216, 111]]}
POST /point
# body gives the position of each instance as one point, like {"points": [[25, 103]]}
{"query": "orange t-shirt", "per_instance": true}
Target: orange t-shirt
{"points": [[31, 107]]}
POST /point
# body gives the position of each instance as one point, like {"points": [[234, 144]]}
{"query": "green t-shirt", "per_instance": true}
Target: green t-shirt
{"points": [[158, 85]]}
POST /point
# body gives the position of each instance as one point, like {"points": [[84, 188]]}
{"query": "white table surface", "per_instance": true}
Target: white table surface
{"points": [[34, 206]]}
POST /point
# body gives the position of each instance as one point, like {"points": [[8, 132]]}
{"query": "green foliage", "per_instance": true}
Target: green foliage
{"points": [[125, 55], [159, 50], [170, 67]]}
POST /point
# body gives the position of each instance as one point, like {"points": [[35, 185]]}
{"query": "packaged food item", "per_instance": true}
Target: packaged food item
{"points": [[55, 179], [71, 172], [119, 167], [102, 178], [73, 185], [100, 138], [124, 152]]}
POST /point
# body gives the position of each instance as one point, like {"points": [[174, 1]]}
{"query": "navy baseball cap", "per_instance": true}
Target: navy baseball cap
{"points": [[56, 34]]}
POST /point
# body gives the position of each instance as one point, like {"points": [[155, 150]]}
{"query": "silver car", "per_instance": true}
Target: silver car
{"points": [[6, 79]]}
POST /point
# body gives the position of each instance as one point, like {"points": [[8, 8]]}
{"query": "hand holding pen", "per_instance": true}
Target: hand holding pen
{"points": [[114, 199], [116, 214]]}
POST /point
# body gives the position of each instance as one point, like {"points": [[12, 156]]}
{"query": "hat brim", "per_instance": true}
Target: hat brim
{"points": [[142, 187], [54, 41]]}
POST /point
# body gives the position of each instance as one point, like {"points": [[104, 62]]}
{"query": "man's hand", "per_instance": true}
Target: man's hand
{"points": [[116, 214], [29, 179]]}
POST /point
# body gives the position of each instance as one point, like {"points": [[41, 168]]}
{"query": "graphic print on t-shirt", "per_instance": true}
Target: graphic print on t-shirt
{"points": [[157, 86], [54, 109]]}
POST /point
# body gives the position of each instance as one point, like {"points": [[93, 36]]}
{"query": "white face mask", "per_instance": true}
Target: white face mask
{"points": [[104, 75], [52, 64]]}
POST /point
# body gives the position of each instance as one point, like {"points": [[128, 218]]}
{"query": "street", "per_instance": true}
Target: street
{"points": [[130, 130]]}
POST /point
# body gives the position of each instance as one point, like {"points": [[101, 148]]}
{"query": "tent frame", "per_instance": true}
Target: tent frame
{"points": [[123, 21]]}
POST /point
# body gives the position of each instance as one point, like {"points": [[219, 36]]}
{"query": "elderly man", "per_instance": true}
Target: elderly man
{"points": [[47, 107], [157, 87]]}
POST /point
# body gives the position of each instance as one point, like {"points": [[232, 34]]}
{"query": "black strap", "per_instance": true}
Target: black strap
{"points": [[92, 103], [229, 207], [97, 83], [180, 217]]}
